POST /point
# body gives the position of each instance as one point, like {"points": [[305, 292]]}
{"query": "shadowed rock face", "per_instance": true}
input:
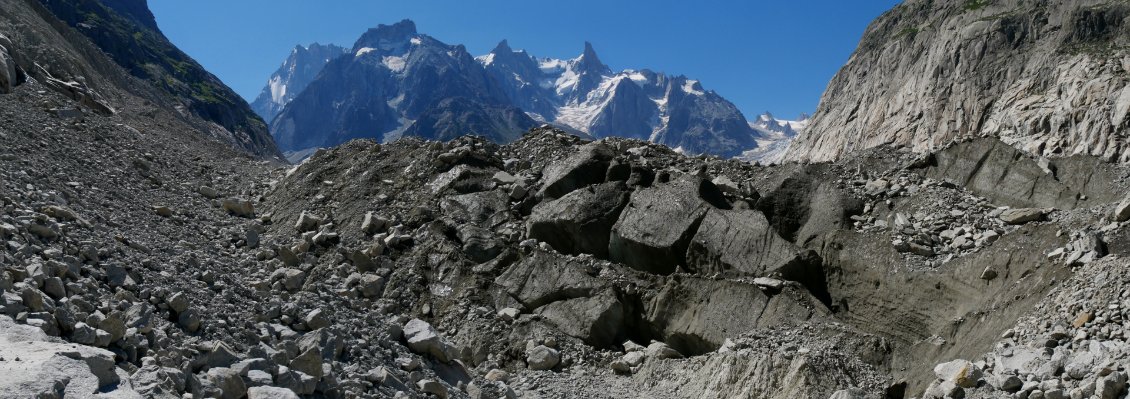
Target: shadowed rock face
{"points": [[656, 228], [587, 166], [299, 69], [1010, 177], [127, 32], [739, 242], [1046, 77], [581, 221]]}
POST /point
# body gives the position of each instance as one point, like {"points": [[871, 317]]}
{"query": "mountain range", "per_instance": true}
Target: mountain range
{"points": [[395, 81]]}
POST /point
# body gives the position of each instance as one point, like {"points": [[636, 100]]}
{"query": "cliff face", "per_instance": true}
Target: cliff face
{"points": [[126, 31], [1049, 77]]}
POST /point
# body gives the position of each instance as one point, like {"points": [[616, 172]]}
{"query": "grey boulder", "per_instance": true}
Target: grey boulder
{"points": [[581, 221], [587, 166]]}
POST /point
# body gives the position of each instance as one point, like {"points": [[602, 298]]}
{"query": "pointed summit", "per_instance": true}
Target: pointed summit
{"points": [[502, 47], [590, 62]]}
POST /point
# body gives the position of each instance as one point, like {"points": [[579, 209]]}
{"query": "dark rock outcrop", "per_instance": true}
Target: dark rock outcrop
{"points": [[996, 170], [740, 242], [695, 315], [656, 228], [587, 166], [581, 221]]}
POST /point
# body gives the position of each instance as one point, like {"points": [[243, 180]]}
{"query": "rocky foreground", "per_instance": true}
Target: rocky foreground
{"points": [[143, 255], [550, 267]]}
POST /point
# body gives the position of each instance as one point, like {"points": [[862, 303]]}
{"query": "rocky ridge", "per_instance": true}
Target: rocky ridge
{"points": [[1046, 77]]}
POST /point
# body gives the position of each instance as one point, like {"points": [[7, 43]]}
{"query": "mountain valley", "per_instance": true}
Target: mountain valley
{"points": [[443, 237]]}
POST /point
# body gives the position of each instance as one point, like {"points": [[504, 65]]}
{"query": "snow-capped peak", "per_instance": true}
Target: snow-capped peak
{"points": [[775, 136], [300, 67], [589, 62]]}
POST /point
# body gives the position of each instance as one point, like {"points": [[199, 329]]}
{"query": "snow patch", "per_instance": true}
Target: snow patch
{"points": [[396, 64], [363, 51], [689, 87], [485, 59], [278, 90], [638, 78], [416, 41], [567, 82], [582, 114], [552, 66]]}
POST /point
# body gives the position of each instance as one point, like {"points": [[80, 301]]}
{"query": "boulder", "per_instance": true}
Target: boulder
{"points": [[307, 222], [497, 375], [292, 279], [584, 167], [296, 381], [373, 224], [308, 362], [479, 244], [656, 228], [542, 357], [463, 179], [960, 372], [1121, 211], [221, 355], [1023, 215], [259, 378], [371, 285], [316, 319], [433, 387], [208, 192], [660, 350], [581, 221], [1111, 386], [424, 339], [544, 277], [152, 381], [696, 315], [178, 302], [598, 320], [239, 207], [47, 364], [743, 242], [633, 359], [229, 381], [190, 320], [509, 314], [270, 393]]}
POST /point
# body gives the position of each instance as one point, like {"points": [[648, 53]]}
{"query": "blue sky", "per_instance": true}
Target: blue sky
{"points": [[773, 56]]}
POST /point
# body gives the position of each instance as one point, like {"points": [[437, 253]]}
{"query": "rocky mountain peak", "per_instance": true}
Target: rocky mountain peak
{"points": [[502, 48], [589, 62], [299, 69], [387, 37]]}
